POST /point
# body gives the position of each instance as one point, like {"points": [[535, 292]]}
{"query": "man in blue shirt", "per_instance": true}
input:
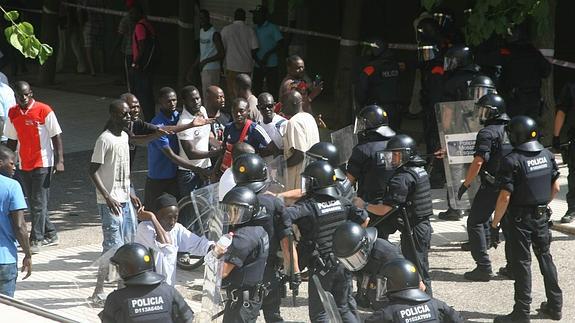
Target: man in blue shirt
{"points": [[270, 39], [12, 225], [163, 153]]}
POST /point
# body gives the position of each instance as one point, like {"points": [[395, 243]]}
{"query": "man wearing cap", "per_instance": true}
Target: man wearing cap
{"points": [[162, 233]]}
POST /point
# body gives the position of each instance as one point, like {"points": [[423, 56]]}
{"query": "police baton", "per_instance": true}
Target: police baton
{"points": [[409, 233], [295, 291]]}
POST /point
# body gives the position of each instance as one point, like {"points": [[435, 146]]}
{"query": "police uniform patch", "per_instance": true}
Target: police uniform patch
{"points": [[147, 305], [537, 163], [419, 313], [329, 207]]}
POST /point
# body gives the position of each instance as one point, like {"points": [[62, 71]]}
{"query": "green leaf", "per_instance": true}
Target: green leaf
{"points": [[26, 28], [11, 15], [8, 31], [15, 41], [430, 4], [47, 49]]}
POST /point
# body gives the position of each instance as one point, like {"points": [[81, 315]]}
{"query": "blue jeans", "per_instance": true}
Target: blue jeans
{"points": [[117, 229], [8, 274]]}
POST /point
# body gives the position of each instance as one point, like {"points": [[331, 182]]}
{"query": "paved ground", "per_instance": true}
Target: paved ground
{"points": [[63, 276]]}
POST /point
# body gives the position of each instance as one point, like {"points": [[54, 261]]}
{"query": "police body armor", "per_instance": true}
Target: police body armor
{"points": [[384, 85], [252, 272], [344, 185], [329, 215], [373, 183], [421, 207], [500, 147], [419, 312], [534, 177], [154, 306]]}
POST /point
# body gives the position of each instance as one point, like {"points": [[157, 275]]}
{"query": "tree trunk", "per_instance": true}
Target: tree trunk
{"points": [[347, 53], [547, 40], [49, 35], [187, 41]]}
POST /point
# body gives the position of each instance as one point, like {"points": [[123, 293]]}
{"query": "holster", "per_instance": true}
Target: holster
{"points": [[245, 295]]}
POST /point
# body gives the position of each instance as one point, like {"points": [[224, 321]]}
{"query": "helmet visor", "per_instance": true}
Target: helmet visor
{"points": [[234, 214], [450, 63], [483, 113], [308, 159], [388, 158], [476, 92], [305, 184], [113, 272], [360, 125], [358, 260], [426, 53]]}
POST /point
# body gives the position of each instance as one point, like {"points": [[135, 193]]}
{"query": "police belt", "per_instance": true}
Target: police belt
{"points": [[323, 264], [528, 211], [487, 178], [254, 293]]}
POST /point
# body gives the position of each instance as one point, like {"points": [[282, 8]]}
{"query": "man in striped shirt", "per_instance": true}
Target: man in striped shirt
{"points": [[34, 126]]}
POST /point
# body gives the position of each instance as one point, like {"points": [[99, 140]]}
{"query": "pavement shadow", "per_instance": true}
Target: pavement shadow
{"points": [[76, 262], [56, 303], [443, 275]]}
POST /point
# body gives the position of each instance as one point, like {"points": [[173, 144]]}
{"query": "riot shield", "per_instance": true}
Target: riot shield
{"points": [[204, 204], [328, 302], [277, 175], [458, 125], [344, 139]]}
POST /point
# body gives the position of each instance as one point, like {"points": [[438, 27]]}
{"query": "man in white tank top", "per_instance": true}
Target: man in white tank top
{"points": [[211, 53]]}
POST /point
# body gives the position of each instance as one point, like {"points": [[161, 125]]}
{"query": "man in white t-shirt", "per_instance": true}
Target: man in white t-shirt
{"points": [[161, 233], [194, 144], [227, 181], [7, 100], [273, 123], [110, 172], [300, 134], [241, 45]]}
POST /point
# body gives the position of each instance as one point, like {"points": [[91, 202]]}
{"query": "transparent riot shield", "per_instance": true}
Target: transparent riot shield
{"points": [[204, 204], [344, 139], [458, 126], [327, 301], [277, 174]]}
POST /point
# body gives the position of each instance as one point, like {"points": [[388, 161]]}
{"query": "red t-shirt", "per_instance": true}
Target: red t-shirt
{"points": [[34, 129], [141, 31]]}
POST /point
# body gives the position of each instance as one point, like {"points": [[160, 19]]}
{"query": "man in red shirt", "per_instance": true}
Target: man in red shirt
{"points": [[34, 125]]}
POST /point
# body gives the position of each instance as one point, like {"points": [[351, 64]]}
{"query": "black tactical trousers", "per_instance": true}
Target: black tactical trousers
{"points": [[527, 228], [481, 209], [271, 303], [422, 239], [571, 177], [505, 228], [337, 282], [242, 311]]}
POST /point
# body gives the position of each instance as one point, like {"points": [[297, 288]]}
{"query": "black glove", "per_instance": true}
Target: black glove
{"points": [[494, 237], [556, 143], [295, 282], [462, 189]]}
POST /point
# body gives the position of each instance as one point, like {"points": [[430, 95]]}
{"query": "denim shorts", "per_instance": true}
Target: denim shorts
{"points": [[8, 274], [117, 230]]}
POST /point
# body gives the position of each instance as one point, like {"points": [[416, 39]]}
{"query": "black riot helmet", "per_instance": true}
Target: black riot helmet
{"points": [[135, 264], [479, 86], [322, 151], [427, 52], [491, 107], [403, 281], [352, 244], [457, 57], [319, 178], [239, 206], [522, 134], [400, 151], [373, 118], [250, 170], [428, 31]]}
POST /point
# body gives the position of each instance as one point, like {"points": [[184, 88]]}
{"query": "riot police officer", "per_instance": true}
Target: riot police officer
{"points": [[365, 166], [528, 183], [251, 171], [524, 67], [491, 145], [479, 86], [408, 191], [460, 71], [328, 152], [362, 253], [146, 297], [245, 259], [407, 302], [379, 82], [317, 214], [566, 114]]}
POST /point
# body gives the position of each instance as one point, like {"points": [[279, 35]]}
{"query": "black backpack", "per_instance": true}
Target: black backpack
{"points": [[150, 55]]}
